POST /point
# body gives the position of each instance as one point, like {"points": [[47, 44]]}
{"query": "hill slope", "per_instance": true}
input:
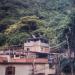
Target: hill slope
{"points": [[54, 14]]}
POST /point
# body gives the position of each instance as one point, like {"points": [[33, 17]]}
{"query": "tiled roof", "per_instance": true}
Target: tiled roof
{"points": [[23, 60], [30, 60], [3, 59]]}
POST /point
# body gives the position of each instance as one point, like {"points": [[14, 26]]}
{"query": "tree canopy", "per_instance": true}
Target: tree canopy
{"points": [[48, 18]]}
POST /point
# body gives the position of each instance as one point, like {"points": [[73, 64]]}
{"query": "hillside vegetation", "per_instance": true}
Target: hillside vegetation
{"points": [[19, 19]]}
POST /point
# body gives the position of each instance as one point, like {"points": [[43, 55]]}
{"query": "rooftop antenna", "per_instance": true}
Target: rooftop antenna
{"points": [[33, 36]]}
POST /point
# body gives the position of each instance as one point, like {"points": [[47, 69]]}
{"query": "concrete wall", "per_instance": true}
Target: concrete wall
{"points": [[19, 69], [24, 69], [37, 46]]}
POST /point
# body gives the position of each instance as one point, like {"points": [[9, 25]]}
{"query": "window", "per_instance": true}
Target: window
{"points": [[28, 49], [22, 56], [10, 70], [42, 49], [17, 55]]}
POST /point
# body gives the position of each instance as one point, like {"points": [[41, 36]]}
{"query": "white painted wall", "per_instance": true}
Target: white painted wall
{"points": [[19, 69], [26, 69]]}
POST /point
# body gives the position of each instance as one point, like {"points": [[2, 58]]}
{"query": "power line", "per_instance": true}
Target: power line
{"points": [[58, 45]]}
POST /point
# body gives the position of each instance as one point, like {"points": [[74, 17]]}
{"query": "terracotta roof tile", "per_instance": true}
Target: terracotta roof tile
{"points": [[30, 60], [3, 59]]}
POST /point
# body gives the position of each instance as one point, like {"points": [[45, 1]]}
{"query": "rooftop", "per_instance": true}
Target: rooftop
{"points": [[38, 38], [24, 60]]}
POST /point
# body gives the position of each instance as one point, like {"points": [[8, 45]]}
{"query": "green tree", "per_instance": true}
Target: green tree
{"points": [[17, 39], [2, 39]]}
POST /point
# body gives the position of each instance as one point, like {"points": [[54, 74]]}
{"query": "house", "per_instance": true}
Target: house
{"points": [[37, 44], [25, 67], [32, 60]]}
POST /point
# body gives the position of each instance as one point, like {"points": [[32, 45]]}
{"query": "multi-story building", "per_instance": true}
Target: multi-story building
{"points": [[31, 60]]}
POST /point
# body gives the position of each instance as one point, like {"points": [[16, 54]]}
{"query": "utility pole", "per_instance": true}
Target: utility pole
{"points": [[33, 67], [67, 40], [69, 55], [58, 70]]}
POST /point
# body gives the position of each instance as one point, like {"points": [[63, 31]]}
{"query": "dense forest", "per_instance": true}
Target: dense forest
{"points": [[53, 19]]}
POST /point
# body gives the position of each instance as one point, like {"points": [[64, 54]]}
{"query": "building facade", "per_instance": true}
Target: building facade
{"points": [[30, 60], [25, 67]]}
